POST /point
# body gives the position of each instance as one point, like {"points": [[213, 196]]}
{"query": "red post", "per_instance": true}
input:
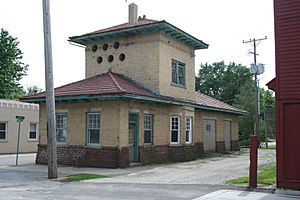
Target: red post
{"points": [[253, 161]]}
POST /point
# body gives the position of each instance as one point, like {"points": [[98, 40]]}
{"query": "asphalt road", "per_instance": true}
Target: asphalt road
{"points": [[29, 185], [186, 180]]}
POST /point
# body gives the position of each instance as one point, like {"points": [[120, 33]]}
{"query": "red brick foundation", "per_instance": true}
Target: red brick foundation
{"points": [[166, 153], [109, 157], [112, 157], [220, 147], [234, 145]]}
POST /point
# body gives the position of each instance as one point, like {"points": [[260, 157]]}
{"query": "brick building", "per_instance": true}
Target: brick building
{"points": [[29, 136], [138, 101]]}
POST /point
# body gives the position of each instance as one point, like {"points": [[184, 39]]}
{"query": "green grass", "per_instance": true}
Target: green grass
{"points": [[265, 176], [80, 177]]}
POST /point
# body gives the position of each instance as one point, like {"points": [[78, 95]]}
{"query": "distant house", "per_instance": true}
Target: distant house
{"points": [[137, 103], [9, 109]]}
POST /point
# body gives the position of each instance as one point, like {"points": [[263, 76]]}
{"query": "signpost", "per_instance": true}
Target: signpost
{"points": [[20, 119]]}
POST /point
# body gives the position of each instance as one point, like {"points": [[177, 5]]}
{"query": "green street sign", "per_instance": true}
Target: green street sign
{"points": [[20, 118]]}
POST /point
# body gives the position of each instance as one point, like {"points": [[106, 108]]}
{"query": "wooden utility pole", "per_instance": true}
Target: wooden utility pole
{"points": [[254, 138], [50, 103]]}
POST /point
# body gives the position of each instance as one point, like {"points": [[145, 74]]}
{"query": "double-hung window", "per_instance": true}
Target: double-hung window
{"points": [[189, 130], [61, 127], [93, 128], [33, 131], [175, 129], [148, 127], [178, 73], [2, 130]]}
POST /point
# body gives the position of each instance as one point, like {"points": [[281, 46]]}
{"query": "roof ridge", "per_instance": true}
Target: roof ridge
{"points": [[115, 81]]}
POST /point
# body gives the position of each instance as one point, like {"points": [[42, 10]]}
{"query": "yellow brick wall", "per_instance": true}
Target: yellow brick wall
{"points": [[148, 61], [172, 49], [141, 58], [114, 122], [76, 124], [220, 118]]}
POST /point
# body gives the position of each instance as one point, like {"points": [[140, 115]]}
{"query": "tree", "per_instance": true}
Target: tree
{"points": [[12, 69], [245, 100], [32, 89], [221, 81]]}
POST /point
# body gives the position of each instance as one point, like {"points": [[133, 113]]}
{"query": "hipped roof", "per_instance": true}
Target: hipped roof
{"points": [[113, 86], [142, 26]]}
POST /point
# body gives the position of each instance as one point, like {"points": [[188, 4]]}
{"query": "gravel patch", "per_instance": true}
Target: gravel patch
{"points": [[214, 169]]}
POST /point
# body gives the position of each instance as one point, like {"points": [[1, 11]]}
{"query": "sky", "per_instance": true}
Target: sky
{"points": [[223, 24]]}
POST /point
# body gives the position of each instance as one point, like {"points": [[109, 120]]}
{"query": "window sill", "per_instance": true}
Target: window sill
{"points": [[32, 140], [3, 141], [178, 85], [174, 145], [94, 146], [189, 144], [60, 144], [148, 145]]}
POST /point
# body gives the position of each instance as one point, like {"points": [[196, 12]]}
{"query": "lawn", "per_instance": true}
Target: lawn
{"points": [[80, 177], [266, 176]]}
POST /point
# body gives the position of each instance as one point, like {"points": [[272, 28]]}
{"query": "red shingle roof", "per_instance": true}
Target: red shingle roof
{"points": [[111, 83], [102, 84], [205, 100], [139, 22]]}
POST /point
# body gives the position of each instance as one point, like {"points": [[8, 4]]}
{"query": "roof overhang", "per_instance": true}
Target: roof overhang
{"points": [[148, 99], [161, 26]]}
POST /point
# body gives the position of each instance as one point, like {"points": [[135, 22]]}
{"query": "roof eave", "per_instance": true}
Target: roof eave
{"points": [[133, 96], [162, 26]]}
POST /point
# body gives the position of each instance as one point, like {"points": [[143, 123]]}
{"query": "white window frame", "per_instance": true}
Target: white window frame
{"points": [[178, 65], [148, 129], [189, 130], [178, 130], [5, 133], [97, 128], [36, 131], [64, 128]]}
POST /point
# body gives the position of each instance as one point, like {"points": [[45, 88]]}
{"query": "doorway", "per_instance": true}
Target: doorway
{"points": [[133, 137]]}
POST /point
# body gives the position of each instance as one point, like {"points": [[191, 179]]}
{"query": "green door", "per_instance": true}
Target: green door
{"points": [[133, 137]]}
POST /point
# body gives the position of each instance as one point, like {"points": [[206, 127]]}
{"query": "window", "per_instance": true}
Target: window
{"points": [[189, 130], [33, 131], [148, 121], [93, 128], [175, 130], [178, 73], [208, 128], [61, 127], [2, 130]]}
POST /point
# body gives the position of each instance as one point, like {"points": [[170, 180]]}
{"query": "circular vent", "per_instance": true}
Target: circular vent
{"points": [[116, 45], [122, 57], [99, 60], [105, 47], [94, 48], [110, 58]]}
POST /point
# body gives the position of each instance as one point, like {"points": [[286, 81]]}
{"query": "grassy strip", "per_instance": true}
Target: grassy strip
{"points": [[266, 176], [80, 177]]}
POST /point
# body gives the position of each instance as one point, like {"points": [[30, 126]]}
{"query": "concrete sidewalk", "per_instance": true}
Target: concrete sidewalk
{"points": [[244, 195]]}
